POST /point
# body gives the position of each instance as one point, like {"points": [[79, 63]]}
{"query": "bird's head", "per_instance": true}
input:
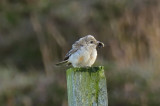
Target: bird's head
{"points": [[88, 41], [92, 42]]}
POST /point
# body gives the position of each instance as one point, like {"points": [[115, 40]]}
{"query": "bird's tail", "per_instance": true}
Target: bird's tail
{"points": [[62, 63]]}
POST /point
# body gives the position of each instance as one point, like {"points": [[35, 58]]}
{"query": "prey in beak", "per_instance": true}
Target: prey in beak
{"points": [[100, 44]]}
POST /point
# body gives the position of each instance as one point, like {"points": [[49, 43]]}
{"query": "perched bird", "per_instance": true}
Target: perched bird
{"points": [[83, 52]]}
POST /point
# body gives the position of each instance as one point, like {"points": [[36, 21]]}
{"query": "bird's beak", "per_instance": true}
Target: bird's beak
{"points": [[100, 44]]}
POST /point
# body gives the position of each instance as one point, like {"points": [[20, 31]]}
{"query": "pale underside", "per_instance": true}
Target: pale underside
{"points": [[83, 57]]}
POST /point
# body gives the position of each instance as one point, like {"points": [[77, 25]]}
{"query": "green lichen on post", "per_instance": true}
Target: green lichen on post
{"points": [[87, 87]]}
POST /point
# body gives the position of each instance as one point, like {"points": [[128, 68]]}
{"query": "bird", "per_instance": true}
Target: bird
{"points": [[83, 52]]}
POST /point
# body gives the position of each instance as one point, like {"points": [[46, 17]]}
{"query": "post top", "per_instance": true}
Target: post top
{"points": [[87, 69]]}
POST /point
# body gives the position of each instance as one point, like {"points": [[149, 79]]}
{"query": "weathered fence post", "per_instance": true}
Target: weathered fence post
{"points": [[87, 87]]}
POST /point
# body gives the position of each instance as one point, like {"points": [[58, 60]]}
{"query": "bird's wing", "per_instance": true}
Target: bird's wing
{"points": [[65, 61], [76, 46], [70, 53]]}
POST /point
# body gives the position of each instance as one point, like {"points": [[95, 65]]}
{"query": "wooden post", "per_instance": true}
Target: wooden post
{"points": [[87, 87]]}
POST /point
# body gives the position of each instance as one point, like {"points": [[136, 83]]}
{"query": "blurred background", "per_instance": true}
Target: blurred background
{"points": [[36, 34]]}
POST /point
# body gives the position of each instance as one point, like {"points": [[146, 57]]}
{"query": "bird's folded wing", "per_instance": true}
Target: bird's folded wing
{"points": [[72, 51]]}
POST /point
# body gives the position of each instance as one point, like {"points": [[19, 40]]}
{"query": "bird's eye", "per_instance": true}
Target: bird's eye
{"points": [[91, 41]]}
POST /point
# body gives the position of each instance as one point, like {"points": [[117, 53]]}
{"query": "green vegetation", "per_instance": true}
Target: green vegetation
{"points": [[30, 89]]}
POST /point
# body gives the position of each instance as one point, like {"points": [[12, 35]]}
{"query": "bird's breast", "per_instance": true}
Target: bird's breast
{"points": [[83, 58], [92, 58]]}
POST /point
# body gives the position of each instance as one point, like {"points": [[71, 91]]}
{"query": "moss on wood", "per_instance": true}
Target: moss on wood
{"points": [[87, 86]]}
